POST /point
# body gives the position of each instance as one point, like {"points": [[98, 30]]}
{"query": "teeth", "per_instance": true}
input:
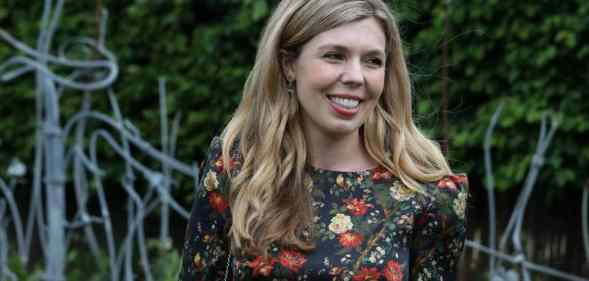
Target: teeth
{"points": [[348, 103]]}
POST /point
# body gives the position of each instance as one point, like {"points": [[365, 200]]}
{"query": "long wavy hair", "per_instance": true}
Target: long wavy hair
{"points": [[269, 195]]}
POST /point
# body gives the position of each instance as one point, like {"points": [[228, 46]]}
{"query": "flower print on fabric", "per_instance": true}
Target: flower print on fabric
{"points": [[217, 202], [381, 174], [211, 181], [350, 239], [291, 259], [198, 262], [367, 274], [357, 207], [400, 192], [342, 182], [340, 224], [460, 205], [261, 266], [453, 181], [393, 271], [367, 226]]}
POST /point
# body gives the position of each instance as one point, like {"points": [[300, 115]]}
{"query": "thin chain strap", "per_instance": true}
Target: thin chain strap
{"points": [[227, 268]]}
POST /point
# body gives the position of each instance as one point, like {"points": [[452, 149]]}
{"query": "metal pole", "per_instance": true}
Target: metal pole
{"points": [[54, 156]]}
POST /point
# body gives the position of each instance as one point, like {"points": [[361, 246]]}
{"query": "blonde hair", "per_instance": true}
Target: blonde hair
{"points": [[269, 197]]}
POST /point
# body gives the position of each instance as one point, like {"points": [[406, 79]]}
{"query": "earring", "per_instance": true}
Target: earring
{"points": [[290, 87]]}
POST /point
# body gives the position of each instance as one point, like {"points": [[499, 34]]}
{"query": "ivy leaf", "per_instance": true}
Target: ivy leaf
{"points": [[260, 9]]}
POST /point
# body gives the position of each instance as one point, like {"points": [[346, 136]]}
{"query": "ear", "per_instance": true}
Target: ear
{"points": [[288, 65]]}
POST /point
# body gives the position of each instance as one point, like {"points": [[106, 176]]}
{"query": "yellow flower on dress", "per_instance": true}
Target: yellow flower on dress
{"points": [[198, 262], [340, 224], [342, 182], [460, 205], [211, 182], [400, 192]]}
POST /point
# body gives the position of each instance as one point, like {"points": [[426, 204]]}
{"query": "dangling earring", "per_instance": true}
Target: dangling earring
{"points": [[290, 87]]}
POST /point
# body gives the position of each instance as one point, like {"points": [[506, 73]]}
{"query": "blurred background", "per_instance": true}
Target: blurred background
{"points": [[530, 56]]}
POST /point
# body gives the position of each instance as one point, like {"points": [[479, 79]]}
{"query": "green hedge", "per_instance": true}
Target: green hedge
{"points": [[530, 56]]}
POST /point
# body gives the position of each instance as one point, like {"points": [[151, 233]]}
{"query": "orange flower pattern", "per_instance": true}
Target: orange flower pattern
{"points": [[381, 174], [367, 274], [261, 266], [217, 201], [368, 226], [393, 271], [350, 239], [357, 207], [292, 260]]}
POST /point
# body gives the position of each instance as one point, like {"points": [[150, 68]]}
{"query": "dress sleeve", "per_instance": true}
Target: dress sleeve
{"points": [[440, 231], [205, 245]]}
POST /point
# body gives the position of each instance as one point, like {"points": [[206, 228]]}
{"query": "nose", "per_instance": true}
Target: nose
{"points": [[352, 74]]}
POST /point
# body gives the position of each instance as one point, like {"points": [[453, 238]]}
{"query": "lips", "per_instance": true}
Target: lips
{"points": [[345, 105]]}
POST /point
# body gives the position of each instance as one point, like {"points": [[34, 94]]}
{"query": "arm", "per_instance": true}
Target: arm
{"points": [[440, 231], [205, 245]]}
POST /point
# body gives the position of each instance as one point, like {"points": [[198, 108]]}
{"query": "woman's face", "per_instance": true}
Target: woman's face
{"points": [[340, 77]]}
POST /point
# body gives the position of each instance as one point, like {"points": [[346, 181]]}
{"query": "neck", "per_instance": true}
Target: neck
{"points": [[341, 152]]}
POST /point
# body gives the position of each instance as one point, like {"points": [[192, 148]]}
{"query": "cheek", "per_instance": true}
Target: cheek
{"points": [[376, 84], [316, 76]]}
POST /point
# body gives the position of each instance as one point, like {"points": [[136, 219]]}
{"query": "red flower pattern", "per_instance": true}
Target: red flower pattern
{"points": [[204, 241], [367, 274], [262, 266], [357, 207], [381, 174], [459, 179], [217, 201], [446, 183], [291, 259], [350, 239], [452, 181], [220, 165], [393, 271]]}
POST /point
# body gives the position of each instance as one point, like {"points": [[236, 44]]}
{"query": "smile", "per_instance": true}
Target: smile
{"points": [[345, 106], [345, 101]]}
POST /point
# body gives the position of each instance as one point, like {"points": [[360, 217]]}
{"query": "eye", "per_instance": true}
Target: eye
{"points": [[333, 56], [375, 62]]}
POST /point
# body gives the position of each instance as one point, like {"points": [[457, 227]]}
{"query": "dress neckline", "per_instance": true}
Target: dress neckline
{"points": [[316, 170]]}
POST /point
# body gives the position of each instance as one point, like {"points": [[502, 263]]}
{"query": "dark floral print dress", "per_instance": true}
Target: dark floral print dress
{"points": [[369, 226]]}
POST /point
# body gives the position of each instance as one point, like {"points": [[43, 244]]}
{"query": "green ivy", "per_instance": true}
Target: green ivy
{"points": [[529, 56]]}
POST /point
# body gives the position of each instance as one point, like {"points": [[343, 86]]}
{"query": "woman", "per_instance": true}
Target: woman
{"points": [[321, 173]]}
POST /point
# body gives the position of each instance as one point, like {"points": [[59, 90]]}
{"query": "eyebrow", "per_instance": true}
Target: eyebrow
{"points": [[344, 49]]}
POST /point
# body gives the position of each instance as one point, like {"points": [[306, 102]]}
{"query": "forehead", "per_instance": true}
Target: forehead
{"points": [[363, 35]]}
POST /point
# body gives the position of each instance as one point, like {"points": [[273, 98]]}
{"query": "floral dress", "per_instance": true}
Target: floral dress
{"points": [[369, 226]]}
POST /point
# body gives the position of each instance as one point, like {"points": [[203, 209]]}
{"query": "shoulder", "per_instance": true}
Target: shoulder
{"points": [[449, 187], [450, 184], [215, 176], [447, 197], [216, 145], [215, 159]]}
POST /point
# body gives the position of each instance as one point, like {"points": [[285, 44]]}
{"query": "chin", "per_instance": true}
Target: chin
{"points": [[344, 129]]}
